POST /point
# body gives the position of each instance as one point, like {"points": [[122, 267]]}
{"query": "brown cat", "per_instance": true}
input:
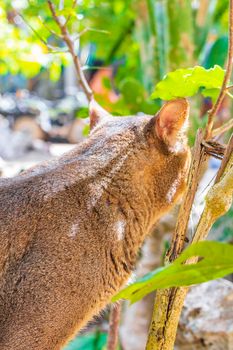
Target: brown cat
{"points": [[71, 228]]}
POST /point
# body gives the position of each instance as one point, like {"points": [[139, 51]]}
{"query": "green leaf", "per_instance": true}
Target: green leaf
{"points": [[95, 341], [216, 261], [212, 93], [82, 113], [187, 82], [217, 53]]}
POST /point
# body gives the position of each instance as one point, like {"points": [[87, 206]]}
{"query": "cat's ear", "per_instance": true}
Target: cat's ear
{"points": [[96, 113], [171, 121]]}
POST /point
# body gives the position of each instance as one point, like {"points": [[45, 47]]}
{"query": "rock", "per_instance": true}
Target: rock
{"points": [[207, 317]]}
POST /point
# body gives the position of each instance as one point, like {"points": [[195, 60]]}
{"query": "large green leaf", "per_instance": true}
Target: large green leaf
{"points": [[216, 260], [187, 82]]}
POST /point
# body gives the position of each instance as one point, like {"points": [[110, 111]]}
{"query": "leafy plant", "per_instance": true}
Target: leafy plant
{"points": [[187, 82], [215, 260]]}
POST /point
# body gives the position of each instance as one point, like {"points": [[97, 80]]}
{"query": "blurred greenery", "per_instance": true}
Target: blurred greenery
{"points": [[142, 39], [187, 82], [91, 341]]}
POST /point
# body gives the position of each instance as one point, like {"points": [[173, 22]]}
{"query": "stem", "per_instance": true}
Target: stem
{"points": [[227, 76], [225, 160], [70, 45], [114, 322], [225, 127]]}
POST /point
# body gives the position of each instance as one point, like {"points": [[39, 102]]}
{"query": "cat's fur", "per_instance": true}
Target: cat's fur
{"points": [[70, 229]]}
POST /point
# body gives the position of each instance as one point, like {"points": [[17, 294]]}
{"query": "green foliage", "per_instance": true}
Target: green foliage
{"points": [[217, 53], [22, 40], [149, 37], [82, 113], [215, 260], [91, 341], [187, 82]]}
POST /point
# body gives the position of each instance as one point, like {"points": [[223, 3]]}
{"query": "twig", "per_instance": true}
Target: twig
{"points": [[52, 49], [226, 158], [89, 29], [227, 126], [113, 326], [214, 149], [49, 29], [67, 39], [32, 29], [69, 17], [227, 76]]}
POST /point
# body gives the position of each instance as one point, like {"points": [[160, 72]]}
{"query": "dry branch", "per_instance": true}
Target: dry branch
{"points": [[114, 322], [223, 128]]}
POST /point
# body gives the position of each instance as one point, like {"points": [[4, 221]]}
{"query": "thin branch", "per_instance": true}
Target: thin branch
{"points": [[225, 127], [89, 29], [52, 32], [214, 149], [70, 45], [32, 29], [227, 76], [226, 158], [114, 322], [61, 5], [70, 15], [52, 49]]}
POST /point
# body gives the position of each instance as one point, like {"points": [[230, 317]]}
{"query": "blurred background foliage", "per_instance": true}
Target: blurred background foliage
{"points": [[139, 40]]}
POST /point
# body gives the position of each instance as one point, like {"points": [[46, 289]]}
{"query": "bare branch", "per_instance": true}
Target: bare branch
{"points": [[114, 321], [70, 45], [226, 158], [214, 149], [227, 76], [52, 49], [225, 127], [88, 29], [69, 17], [52, 32], [32, 29]]}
